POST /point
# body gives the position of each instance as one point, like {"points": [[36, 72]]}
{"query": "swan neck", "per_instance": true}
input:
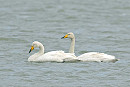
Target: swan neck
{"points": [[72, 45], [41, 49]]}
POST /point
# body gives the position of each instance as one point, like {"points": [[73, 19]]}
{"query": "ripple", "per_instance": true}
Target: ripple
{"points": [[6, 70], [97, 26]]}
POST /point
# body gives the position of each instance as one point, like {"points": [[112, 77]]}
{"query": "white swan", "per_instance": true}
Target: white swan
{"points": [[53, 56], [91, 56]]}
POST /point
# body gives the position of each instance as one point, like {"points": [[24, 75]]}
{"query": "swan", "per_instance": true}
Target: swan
{"points": [[90, 56], [53, 56]]}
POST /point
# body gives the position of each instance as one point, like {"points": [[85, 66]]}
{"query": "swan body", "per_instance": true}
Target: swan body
{"points": [[58, 56], [97, 57], [53, 56], [91, 56]]}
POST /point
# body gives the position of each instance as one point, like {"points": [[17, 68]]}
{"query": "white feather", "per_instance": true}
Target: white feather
{"points": [[53, 56]]}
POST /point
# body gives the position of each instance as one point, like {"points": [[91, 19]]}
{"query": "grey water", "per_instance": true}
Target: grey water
{"points": [[98, 25]]}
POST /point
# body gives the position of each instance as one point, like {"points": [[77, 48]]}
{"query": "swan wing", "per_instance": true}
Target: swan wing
{"points": [[57, 56], [70, 57], [98, 57], [53, 56]]}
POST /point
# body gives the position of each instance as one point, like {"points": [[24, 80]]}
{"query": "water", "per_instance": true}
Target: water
{"points": [[101, 26]]}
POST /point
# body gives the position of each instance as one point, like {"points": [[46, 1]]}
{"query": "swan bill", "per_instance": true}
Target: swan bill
{"points": [[66, 36], [62, 38], [32, 48], [29, 50]]}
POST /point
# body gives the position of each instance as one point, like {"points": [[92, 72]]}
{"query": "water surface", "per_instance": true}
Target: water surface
{"points": [[101, 26]]}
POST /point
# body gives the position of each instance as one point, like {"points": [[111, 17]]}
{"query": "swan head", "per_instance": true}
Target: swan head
{"points": [[35, 44], [69, 35]]}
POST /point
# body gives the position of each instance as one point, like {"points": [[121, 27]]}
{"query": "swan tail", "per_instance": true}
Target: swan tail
{"points": [[115, 60]]}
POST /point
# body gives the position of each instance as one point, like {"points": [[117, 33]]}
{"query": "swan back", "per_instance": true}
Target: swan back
{"points": [[98, 57], [58, 56]]}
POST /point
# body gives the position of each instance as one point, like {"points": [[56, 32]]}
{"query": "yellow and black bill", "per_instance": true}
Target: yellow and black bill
{"points": [[66, 36], [31, 49]]}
